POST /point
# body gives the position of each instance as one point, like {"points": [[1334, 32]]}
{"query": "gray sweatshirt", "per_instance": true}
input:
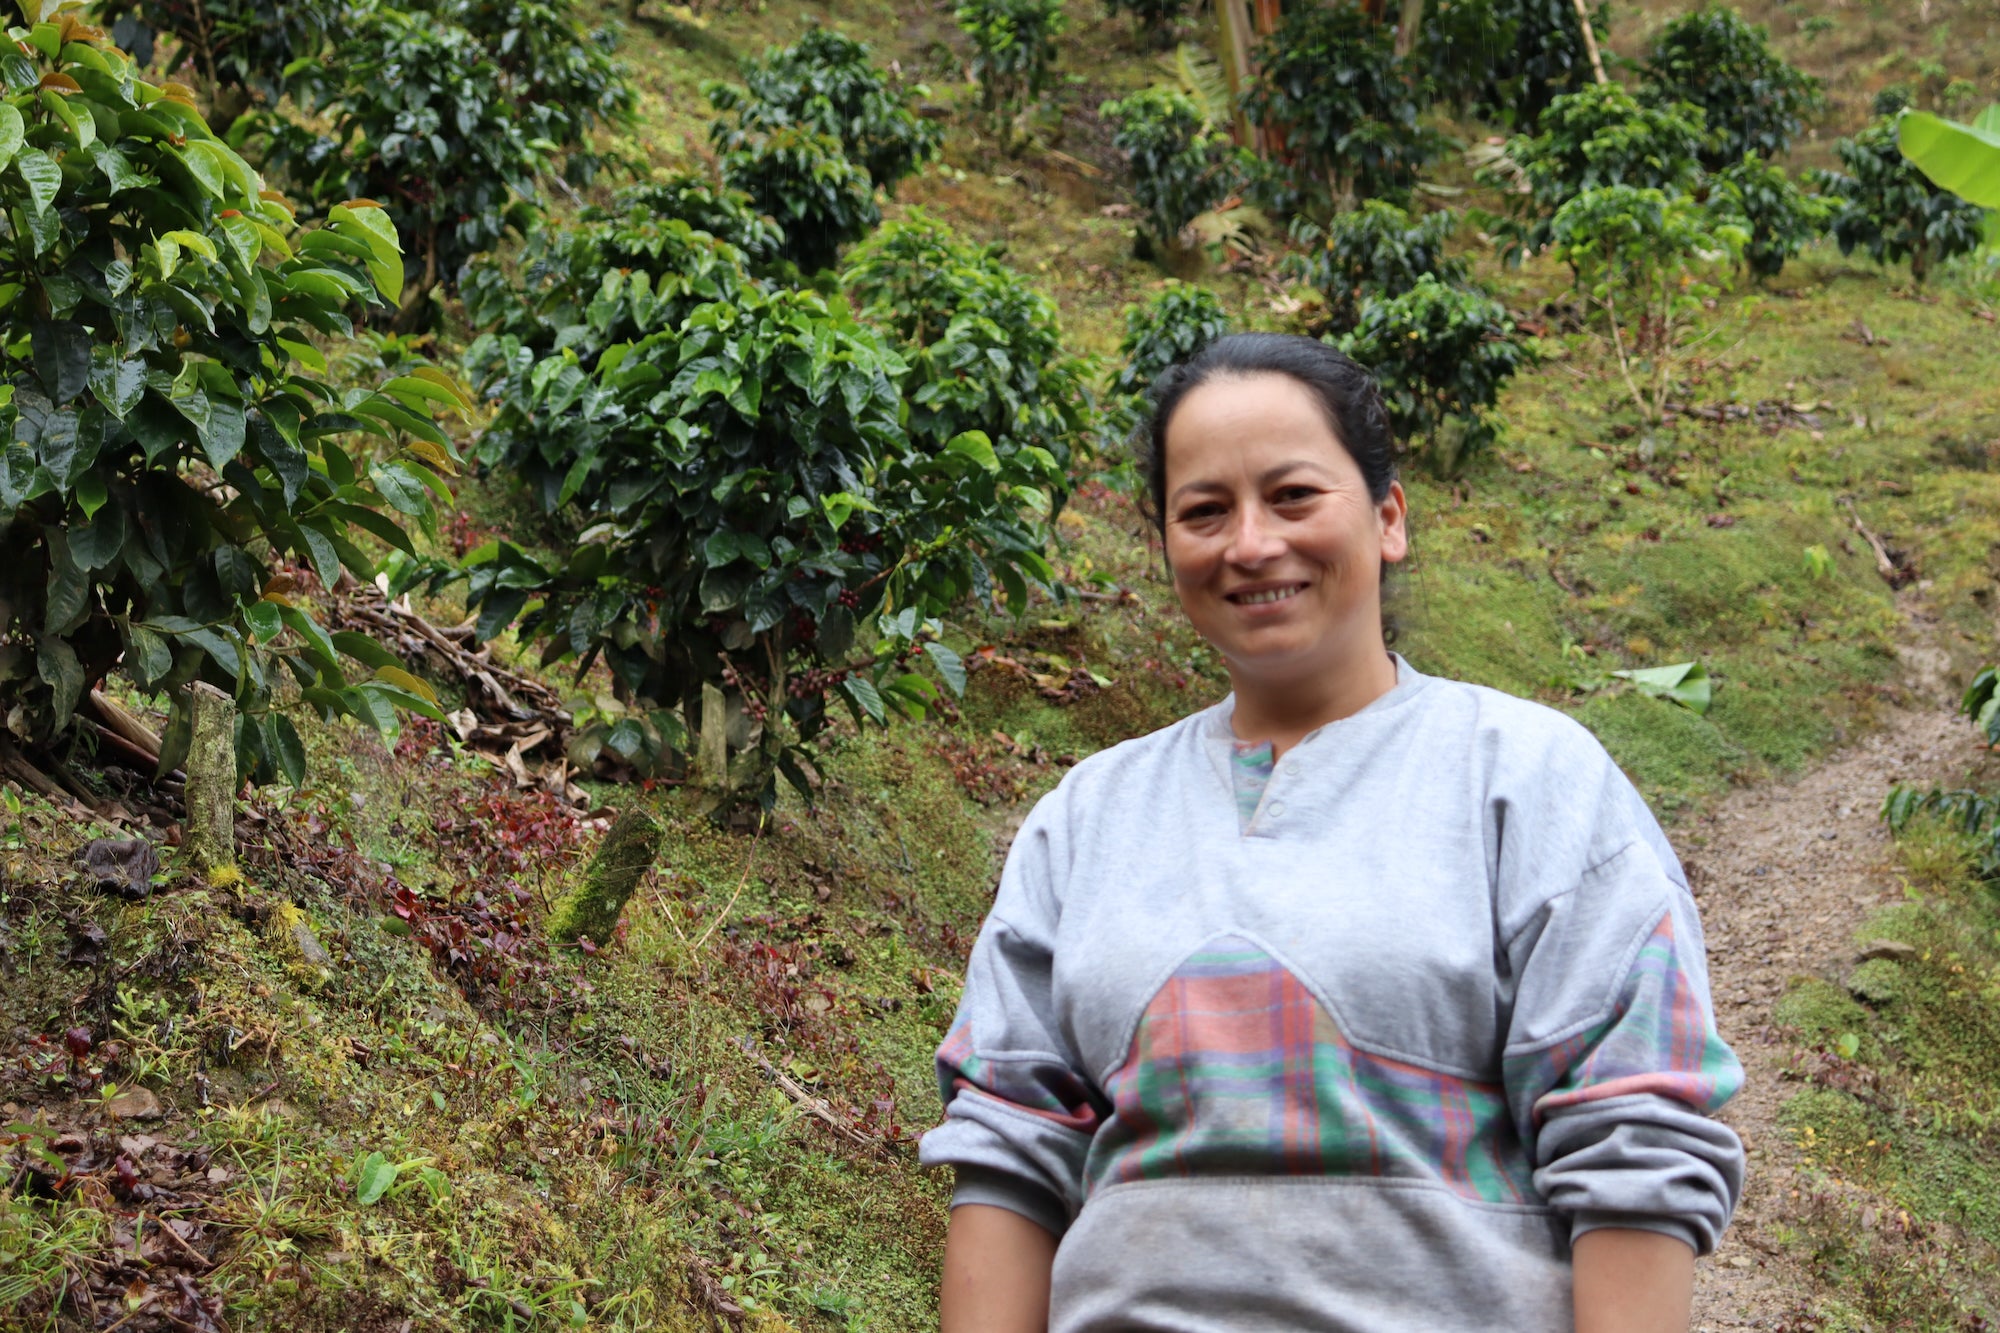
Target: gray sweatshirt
{"points": [[1369, 1062]]}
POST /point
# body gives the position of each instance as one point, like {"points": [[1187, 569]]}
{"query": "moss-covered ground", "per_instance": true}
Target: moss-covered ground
{"points": [[711, 1119]]}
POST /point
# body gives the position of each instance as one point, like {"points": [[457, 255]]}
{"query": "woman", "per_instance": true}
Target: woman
{"points": [[1361, 1001]]}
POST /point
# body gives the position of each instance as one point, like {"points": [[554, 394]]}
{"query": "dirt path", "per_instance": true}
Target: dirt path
{"points": [[1785, 876]]}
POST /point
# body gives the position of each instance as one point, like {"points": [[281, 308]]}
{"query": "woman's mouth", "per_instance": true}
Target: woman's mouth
{"points": [[1266, 596]]}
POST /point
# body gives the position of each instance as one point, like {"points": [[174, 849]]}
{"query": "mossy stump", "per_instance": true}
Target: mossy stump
{"points": [[590, 910], [211, 781]]}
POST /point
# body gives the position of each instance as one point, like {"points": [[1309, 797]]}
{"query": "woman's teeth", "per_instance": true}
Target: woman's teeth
{"points": [[1268, 595]]}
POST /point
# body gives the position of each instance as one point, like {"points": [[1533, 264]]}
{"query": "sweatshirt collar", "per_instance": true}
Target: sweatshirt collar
{"points": [[1409, 680]]}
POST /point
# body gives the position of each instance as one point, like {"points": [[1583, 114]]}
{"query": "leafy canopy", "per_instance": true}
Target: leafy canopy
{"points": [[1330, 81], [1783, 219], [1442, 354], [1646, 260], [768, 528], [1014, 55], [1181, 167], [825, 82], [1165, 329], [173, 433], [1753, 100], [821, 199], [448, 115], [1506, 60], [1886, 205], [1375, 250], [984, 349], [241, 50], [1597, 137]]}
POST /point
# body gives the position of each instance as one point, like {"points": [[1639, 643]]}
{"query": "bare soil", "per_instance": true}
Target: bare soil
{"points": [[1786, 876]]}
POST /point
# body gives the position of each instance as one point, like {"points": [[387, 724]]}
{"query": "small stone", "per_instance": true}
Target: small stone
{"points": [[135, 1104], [1741, 1261], [122, 866], [1894, 950]]}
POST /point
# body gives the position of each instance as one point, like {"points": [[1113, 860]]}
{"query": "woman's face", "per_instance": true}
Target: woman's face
{"points": [[1275, 545]]}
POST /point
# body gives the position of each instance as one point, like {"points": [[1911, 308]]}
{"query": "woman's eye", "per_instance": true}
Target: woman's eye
{"points": [[1295, 494], [1200, 512]]}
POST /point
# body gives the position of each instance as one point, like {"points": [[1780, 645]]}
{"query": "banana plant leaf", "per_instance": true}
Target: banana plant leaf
{"points": [[1964, 159], [1685, 683]]}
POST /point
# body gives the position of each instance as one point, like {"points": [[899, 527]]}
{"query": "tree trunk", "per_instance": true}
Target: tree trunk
{"points": [[211, 780], [712, 745], [1408, 25], [1233, 35], [591, 909], [1589, 39]]}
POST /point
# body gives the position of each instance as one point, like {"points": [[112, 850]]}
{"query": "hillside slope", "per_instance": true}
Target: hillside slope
{"points": [[711, 1121]]}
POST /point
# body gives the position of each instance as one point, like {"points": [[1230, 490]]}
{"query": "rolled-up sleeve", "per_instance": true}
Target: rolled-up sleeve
{"points": [[1614, 1068], [1018, 1113]]}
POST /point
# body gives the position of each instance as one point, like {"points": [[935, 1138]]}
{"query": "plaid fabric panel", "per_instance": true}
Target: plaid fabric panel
{"points": [[1045, 1088], [1236, 1069], [1658, 1040], [1250, 767]]}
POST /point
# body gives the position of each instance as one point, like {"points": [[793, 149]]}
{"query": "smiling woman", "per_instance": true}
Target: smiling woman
{"points": [[1361, 1001]]}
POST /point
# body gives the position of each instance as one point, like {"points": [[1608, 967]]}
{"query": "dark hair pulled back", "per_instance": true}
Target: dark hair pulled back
{"points": [[1348, 393]]}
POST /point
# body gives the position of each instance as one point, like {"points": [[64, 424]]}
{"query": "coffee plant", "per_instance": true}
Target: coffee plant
{"points": [[1884, 204], [827, 83], [448, 116], [1014, 56], [1505, 60], [174, 439], [1646, 260], [1156, 18], [1783, 219], [1330, 81], [1165, 329], [1753, 100], [1375, 250], [984, 350], [1180, 166], [726, 214], [613, 276], [1442, 354], [769, 530], [1597, 137], [821, 199], [237, 51]]}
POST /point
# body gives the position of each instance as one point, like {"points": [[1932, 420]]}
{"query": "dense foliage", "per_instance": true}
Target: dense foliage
{"points": [[1165, 329], [614, 276], [173, 435], [1885, 205], [1181, 167], [1596, 137], [1506, 60], [1442, 354], [238, 50], [1330, 81], [1014, 55], [1646, 260], [1156, 18], [1375, 250], [1753, 100], [769, 529], [984, 350], [825, 82], [1783, 219], [724, 213], [448, 116], [821, 199]]}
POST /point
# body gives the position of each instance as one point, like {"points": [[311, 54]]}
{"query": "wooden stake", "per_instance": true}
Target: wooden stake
{"points": [[712, 758], [211, 779]]}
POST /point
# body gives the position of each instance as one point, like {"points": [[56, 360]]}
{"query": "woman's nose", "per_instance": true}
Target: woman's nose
{"points": [[1252, 540]]}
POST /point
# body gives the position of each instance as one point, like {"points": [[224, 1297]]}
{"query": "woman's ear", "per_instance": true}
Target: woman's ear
{"points": [[1393, 510]]}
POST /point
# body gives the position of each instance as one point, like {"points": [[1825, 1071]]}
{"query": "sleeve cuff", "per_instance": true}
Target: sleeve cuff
{"points": [[978, 1184], [1583, 1223]]}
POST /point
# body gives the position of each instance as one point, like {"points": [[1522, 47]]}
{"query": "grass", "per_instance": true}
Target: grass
{"points": [[610, 1146], [1899, 1118]]}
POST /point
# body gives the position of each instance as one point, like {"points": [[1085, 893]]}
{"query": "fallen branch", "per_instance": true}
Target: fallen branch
{"points": [[123, 721], [1893, 573], [812, 1105]]}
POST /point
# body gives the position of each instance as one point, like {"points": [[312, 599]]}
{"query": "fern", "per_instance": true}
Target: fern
{"points": [[1200, 76]]}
